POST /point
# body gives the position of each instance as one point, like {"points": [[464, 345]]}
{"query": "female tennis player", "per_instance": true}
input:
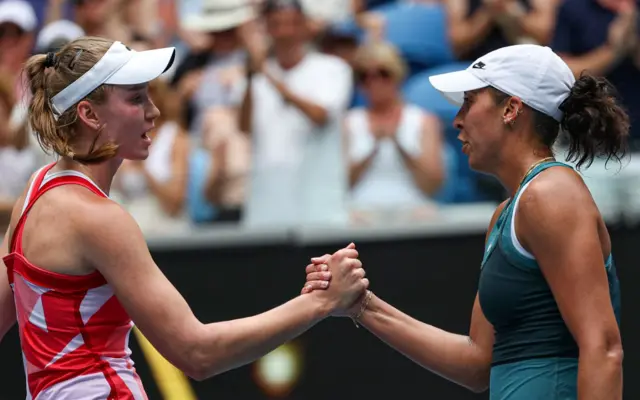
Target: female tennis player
{"points": [[78, 265], [545, 321]]}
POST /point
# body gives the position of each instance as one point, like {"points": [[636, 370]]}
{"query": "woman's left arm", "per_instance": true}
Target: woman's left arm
{"points": [[427, 168], [173, 192], [558, 222]]}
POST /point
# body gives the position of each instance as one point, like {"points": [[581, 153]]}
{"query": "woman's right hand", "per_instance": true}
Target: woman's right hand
{"points": [[347, 280]]}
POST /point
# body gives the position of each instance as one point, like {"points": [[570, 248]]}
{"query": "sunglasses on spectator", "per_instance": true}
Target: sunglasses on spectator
{"points": [[364, 76]]}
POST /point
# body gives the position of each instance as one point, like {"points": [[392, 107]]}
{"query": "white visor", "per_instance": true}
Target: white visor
{"points": [[453, 84], [119, 66]]}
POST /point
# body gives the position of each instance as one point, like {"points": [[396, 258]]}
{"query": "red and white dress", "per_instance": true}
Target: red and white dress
{"points": [[73, 331]]}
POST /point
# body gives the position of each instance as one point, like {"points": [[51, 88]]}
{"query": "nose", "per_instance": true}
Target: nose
{"points": [[152, 112], [457, 121]]}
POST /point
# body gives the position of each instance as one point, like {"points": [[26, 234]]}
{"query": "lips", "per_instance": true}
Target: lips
{"points": [[466, 147]]}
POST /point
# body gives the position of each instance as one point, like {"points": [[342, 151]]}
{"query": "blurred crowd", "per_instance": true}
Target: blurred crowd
{"points": [[298, 112]]}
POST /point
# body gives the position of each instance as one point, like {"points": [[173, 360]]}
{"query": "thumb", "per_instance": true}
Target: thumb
{"points": [[351, 246]]}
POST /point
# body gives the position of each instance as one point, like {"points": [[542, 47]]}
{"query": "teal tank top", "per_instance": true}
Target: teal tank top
{"points": [[534, 353]]}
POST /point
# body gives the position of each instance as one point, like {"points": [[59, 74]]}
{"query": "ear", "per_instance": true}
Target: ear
{"points": [[87, 113], [513, 108]]}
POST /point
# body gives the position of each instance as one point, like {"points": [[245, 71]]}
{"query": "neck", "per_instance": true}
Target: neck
{"points": [[511, 174], [101, 174], [289, 56], [387, 104]]}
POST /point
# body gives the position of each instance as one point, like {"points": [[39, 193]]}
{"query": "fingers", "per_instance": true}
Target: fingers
{"points": [[316, 268], [359, 273], [321, 260], [346, 253], [314, 285], [319, 276], [365, 283]]}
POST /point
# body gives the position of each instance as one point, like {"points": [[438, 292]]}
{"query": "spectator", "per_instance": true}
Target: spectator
{"points": [[214, 77], [395, 149], [477, 27], [154, 190], [18, 159], [601, 36], [55, 35], [292, 108], [230, 163], [17, 25], [96, 17]]}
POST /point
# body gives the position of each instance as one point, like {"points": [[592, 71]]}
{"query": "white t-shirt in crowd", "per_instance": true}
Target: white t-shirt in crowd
{"points": [[299, 173]]}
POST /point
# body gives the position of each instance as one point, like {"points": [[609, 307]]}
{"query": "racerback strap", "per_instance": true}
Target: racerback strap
{"points": [[37, 190]]}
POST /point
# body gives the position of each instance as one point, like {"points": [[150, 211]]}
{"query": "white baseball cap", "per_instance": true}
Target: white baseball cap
{"points": [[119, 66], [63, 29], [20, 13], [535, 74]]}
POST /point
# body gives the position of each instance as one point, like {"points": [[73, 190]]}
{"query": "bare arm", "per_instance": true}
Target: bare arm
{"points": [[427, 169], [465, 32], [7, 307], [316, 113], [539, 22], [173, 192], [561, 229], [359, 167], [115, 245], [245, 113], [465, 360], [599, 61]]}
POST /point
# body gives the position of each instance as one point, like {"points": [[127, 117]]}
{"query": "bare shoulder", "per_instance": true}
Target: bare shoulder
{"points": [[556, 195]]}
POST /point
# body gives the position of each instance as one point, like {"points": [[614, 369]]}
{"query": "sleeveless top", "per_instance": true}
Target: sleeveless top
{"points": [[516, 298], [387, 182], [73, 331]]}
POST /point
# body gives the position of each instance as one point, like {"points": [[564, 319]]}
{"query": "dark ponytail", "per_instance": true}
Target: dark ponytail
{"points": [[594, 122]]}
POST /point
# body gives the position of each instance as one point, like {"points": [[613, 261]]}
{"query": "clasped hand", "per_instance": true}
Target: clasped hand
{"points": [[339, 280]]}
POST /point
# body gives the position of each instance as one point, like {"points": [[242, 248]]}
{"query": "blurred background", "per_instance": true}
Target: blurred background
{"points": [[290, 128]]}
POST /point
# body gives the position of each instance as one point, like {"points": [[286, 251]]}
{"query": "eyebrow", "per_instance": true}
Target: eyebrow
{"points": [[135, 88]]}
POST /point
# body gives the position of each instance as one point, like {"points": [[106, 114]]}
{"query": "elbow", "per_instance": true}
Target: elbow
{"points": [[608, 352], [480, 380]]}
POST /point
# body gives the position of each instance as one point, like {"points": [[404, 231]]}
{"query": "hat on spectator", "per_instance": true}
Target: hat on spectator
{"points": [[57, 34], [118, 66], [220, 15], [535, 74], [20, 13]]}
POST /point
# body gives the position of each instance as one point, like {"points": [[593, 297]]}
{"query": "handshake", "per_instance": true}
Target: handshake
{"points": [[338, 280]]}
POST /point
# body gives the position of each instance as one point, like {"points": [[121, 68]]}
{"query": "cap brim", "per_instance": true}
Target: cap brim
{"points": [[453, 84], [144, 67]]}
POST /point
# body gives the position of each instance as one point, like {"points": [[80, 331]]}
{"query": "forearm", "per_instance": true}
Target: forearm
{"points": [[357, 169], [214, 185], [427, 174], [452, 356], [170, 195], [317, 114], [537, 26], [244, 123], [231, 344], [598, 62], [465, 35], [600, 375]]}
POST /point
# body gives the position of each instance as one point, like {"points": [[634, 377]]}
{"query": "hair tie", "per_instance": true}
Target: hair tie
{"points": [[50, 60]]}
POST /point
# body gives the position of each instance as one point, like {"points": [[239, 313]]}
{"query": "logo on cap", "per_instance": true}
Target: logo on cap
{"points": [[479, 65]]}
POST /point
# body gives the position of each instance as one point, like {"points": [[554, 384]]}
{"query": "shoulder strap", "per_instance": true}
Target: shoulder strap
{"points": [[16, 240]]}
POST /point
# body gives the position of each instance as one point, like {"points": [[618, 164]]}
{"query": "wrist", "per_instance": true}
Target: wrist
{"points": [[321, 306], [357, 313]]}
